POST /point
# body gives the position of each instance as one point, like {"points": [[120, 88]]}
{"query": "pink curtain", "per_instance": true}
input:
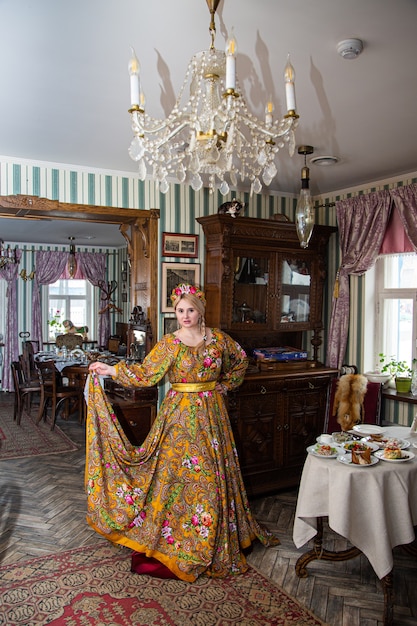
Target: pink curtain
{"points": [[11, 342], [93, 266], [405, 201], [395, 238], [50, 267], [362, 222]]}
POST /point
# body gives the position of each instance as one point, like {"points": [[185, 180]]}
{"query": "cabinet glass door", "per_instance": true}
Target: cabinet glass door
{"points": [[295, 291], [250, 289]]}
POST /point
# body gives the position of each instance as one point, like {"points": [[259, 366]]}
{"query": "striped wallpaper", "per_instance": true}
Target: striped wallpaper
{"points": [[179, 209]]}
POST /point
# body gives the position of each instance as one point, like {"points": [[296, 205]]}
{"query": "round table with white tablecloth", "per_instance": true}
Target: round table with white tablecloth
{"points": [[374, 507]]}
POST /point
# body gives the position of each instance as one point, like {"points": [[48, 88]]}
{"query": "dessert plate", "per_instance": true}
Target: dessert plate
{"points": [[313, 450], [368, 429], [370, 444], [346, 459], [407, 456], [397, 443]]}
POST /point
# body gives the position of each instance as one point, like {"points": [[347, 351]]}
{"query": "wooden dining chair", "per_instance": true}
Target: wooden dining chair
{"points": [[24, 392], [371, 413], [70, 341], [55, 392], [27, 359]]}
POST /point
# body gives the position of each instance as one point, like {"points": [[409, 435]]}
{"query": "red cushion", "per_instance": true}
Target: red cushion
{"points": [[142, 564]]}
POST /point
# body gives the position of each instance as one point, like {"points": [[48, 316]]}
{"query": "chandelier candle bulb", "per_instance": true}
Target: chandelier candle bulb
{"points": [[134, 68], [231, 49], [269, 109], [289, 75]]}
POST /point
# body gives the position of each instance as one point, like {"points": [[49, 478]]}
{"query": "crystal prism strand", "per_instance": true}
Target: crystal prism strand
{"points": [[142, 169], [256, 186], [136, 149], [262, 158], [291, 143], [213, 153], [212, 183], [194, 164], [269, 173], [233, 178], [181, 173], [224, 188], [164, 187], [196, 182]]}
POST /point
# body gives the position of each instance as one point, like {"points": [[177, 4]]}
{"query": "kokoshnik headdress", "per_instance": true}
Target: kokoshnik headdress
{"points": [[184, 289]]}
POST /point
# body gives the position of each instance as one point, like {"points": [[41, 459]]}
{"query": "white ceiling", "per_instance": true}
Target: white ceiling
{"points": [[65, 87]]}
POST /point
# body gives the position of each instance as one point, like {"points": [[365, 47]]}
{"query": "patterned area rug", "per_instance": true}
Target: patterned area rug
{"points": [[28, 439], [94, 586]]}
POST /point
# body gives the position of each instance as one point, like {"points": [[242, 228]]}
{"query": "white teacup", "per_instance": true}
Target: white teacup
{"points": [[326, 439]]}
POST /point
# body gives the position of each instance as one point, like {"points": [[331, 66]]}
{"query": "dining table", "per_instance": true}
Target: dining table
{"points": [[373, 506]]}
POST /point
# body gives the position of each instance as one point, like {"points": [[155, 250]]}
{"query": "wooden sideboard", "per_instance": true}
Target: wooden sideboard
{"points": [[274, 417]]}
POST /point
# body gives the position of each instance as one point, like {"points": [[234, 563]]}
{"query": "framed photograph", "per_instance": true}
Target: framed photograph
{"points": [[170, 325], [172, 275], [176, 244]]}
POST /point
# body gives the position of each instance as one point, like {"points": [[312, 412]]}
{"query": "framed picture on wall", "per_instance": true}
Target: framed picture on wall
{"points": [[172, 275], [170, 325], [176, 244]]}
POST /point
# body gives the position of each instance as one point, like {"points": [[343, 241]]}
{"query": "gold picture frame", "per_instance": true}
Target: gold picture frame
{"points": [[177, 244]]}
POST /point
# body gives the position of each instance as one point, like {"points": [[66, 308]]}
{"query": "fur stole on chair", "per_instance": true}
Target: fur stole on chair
{"points": [[348, 400]]}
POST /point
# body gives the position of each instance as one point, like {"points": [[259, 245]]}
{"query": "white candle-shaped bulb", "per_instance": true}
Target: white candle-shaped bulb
{"points": [[231, 50], [289, 76], [134, 69], [269, 109]]}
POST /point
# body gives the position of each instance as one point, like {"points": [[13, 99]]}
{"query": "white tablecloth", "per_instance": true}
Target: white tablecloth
{"points": [[61, 364], [374, 507]]}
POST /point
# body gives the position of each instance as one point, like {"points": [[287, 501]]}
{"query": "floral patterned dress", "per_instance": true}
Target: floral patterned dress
{"points": [[179, 497]]}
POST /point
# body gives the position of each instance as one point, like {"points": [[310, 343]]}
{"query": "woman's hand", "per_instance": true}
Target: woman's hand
{"points": [[221, 389], [102, 369]]}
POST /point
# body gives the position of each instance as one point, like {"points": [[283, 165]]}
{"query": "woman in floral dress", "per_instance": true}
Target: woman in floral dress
{"points": [[179, 497]]}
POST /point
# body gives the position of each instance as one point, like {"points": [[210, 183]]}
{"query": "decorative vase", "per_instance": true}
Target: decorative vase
{"points": [[403, 385]]}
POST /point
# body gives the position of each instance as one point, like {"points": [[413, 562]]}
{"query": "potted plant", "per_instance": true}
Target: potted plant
{"points": [[399, 370], [55, 324]]}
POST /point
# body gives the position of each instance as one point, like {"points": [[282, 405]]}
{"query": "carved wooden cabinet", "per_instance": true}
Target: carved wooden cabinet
{"points": [[265, 290], [274, 417]]}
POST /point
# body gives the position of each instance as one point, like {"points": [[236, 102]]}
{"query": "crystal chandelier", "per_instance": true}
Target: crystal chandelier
{"points": [[7, 255], [210, 132], [304, 213]]}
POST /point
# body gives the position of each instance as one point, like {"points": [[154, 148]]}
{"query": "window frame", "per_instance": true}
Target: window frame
{"points": [[91, 299], [383, 294]]}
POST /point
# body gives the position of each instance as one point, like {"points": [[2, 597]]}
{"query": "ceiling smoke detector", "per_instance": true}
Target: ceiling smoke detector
{"points": [[350, 48], [324, 160]]}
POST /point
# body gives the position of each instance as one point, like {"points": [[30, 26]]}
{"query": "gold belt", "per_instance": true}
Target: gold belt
{"points": [[194, 387]]}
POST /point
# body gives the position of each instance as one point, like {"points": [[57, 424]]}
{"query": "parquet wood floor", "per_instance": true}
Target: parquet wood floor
{"points": [[42, 511]]}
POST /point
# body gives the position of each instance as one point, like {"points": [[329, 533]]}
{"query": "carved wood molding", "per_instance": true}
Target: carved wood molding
{"points": [[138, 227]]}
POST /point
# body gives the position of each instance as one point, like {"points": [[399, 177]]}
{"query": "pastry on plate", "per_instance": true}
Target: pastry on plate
{"points": [[361, 457], [392, 452]]}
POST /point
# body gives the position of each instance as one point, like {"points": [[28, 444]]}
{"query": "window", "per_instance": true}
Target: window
{"points": [[74, 299], [396, 306]]}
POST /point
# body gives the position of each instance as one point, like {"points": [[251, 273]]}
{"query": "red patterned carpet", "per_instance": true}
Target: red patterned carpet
{"points": [[93, 586], [28, 439]]}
